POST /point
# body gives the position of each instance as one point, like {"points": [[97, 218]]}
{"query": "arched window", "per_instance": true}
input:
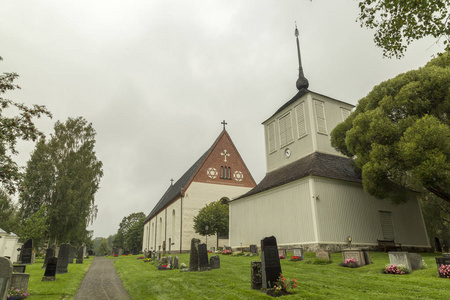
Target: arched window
{"points": [[229, 173], [221, 172], [224, 200], [173, 223]]}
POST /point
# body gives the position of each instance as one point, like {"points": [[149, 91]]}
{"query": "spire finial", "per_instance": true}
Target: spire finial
{"points": [[171, 181], [302, 82]]}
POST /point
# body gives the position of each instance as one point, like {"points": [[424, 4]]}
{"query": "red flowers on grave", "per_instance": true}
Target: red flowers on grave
{"points": [[444, 271], [283, 286], [115, 255], [140, 257], [296, 258]]}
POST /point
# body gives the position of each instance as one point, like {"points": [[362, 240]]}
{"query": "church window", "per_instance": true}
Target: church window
{"points": [[221, 172], [229, 173], [271, 137], [320, 117], [286, 136], [345, 113], [301, 119], [386, 225], [173, 222]]}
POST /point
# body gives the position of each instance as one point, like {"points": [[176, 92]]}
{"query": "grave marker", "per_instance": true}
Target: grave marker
{"points": [[5, 276], [400, 258], [254, 249], [203, 262], [355, 253], [193, 256], [72, 252], [49, 253], [27, 252], [214, 262], [256, 280], [175, 262], [416, 261], [270, 262], [50, 270], [80, 255], [63, 259], [298, 252], [323, 254]]}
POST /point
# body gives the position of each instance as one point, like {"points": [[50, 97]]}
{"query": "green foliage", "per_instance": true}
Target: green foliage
{"points": [[215, 215], [9, 220], [12, 129], [399, 134], [103, 247], [35, 227], [64, 173], [398, 22], [436, 214], [130, 232]]}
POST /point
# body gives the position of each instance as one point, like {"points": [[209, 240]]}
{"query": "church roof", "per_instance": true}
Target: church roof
{"points": [[315, 164], [176, 190]]}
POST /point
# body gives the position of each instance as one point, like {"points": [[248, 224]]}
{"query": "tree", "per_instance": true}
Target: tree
{"points": [[215, 215], [35, 227], [14, 128], [398, 22], [64, 173], [436, 214], [103, 247], [399, 134], [130, 232], [8, 214]]}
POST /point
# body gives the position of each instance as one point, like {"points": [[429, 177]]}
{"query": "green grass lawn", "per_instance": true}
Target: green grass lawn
{"points": [[232, 280], [65, 286]]}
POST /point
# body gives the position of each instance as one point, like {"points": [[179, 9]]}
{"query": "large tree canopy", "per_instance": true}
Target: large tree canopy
{"points": [[64, 173], [130, 232], [399, 134], [399, 22], [14, 128]]}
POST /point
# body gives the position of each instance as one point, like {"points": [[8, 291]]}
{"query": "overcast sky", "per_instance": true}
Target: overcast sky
{"points": [[156, 78]]}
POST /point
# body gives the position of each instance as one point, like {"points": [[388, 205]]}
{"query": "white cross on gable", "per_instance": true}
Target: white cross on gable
{"points": [[225, 154]]}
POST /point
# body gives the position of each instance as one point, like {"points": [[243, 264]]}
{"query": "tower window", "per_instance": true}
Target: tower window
{"points": [[285, 124]]}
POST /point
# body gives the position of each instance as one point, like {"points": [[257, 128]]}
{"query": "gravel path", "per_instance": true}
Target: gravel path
{"points": [[101, 282]]}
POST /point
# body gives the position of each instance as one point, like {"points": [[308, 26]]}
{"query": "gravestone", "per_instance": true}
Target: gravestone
{"points": [[134, 251], [256, 280], [270, 262], [400, 258], [19, 268], [63, 259], [170, 261], [72, 252], [49, 253], [445, 260], [164, 248], [282, 253], [158, 256], [50, 270], [416, 261], [298, 252], [355, 253], [193, 256], [367, 257], [153, 255], [253, 249], [80, 255], [212, 249], [175, 262], [27, 252], [20, 280], [323, 254], [437, 245], [5, 276], [203, 263], [214, 262]]}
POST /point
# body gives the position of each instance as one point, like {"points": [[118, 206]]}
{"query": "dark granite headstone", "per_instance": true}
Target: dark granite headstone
{"points": [[442, 261], [203, 262], [134, 251], [253, 249], [270, 262], [193, 256], [214, 262], [72, 252], [437, 245], [80, 253], [49, 253], [256, 275], [27, 252], [175, 262], [5, 276], [50, 270], [63, 259]]}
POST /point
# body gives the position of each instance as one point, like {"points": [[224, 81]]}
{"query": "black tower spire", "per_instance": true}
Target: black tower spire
{"points": [[302, 82]]}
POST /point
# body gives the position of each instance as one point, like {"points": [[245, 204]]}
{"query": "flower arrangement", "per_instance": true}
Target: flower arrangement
{"points": [[281, 256], [396, 269], [16, 294], [148, 259], [349, 263], [444, 271], [115, 255], [140, 257], [226, 252], [283, 286], [296, 258], [164, 267]]}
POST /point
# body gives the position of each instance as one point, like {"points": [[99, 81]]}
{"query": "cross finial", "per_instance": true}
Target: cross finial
{"points": [[171, 181], [224, 123]]}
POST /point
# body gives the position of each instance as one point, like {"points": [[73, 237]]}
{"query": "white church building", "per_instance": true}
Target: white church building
{"points": [[312, 196], [219, 174]]}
